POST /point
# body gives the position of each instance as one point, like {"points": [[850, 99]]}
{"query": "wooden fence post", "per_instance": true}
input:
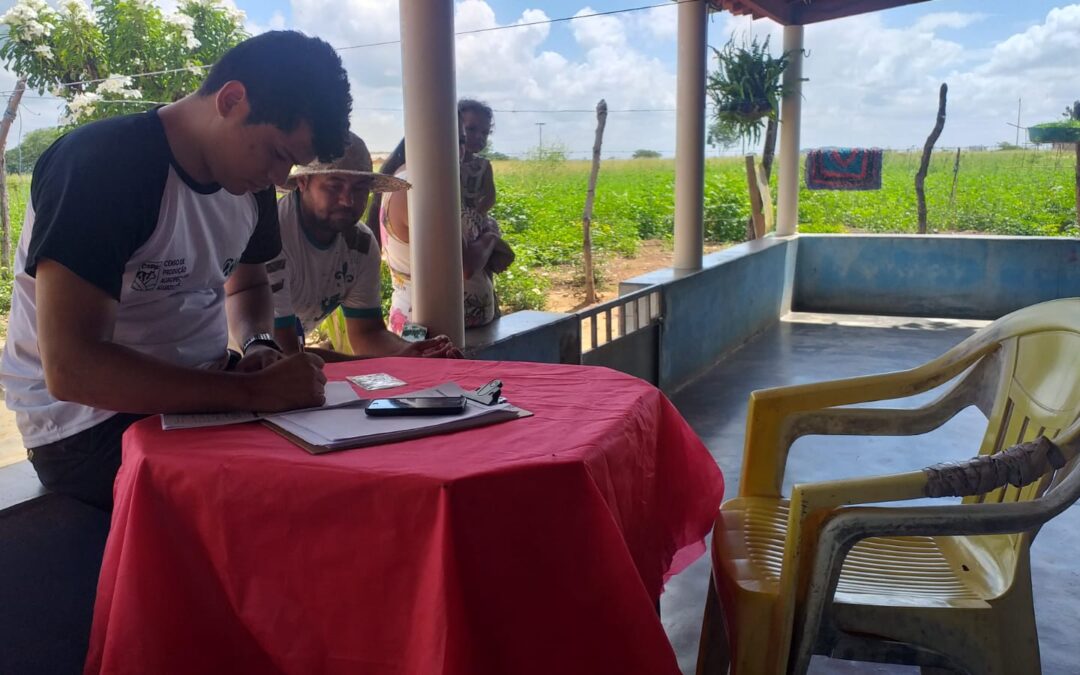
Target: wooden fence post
{"points": [[586, 218], [5, 127], [924, 166]]}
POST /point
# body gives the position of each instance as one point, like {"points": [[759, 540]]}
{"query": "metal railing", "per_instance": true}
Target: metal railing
{"points": [[607, 322]]}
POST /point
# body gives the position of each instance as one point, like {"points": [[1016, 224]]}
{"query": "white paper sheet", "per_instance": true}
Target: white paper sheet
{"points": [[337, 394]]}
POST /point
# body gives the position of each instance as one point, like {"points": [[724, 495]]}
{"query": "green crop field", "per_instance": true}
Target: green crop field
{"points": [[1020, 192]]}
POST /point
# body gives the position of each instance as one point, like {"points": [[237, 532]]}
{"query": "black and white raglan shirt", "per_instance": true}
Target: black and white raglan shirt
{"points": [[309, 280], [109, 202]]}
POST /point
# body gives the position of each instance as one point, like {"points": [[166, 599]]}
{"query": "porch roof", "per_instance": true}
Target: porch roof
{"points": [[802, 12]]}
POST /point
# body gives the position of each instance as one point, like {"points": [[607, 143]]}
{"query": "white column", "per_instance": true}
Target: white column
{"points": [[690, 136], [431, 150], [787, 199]]}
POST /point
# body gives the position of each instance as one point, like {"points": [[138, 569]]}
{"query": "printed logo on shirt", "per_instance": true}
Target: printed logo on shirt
{"points": [[148, 276], [228, 267], [160, 275], [343, 274]]}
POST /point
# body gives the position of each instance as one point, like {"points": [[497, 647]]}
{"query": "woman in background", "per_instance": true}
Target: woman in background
{"points": [[483, 251]]}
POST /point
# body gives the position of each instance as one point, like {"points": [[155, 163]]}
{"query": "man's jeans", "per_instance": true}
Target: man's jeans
{"points": [[84, 465]]}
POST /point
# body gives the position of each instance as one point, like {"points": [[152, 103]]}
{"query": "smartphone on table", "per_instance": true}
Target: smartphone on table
{"points": [[416, 405]]}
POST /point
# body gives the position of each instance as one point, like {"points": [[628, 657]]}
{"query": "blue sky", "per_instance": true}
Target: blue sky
{"points": [[873, 79]]}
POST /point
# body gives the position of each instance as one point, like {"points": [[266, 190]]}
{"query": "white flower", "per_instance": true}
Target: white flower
{"points": [[114, 84], [33, 29], [190, 40], [75, 9], [183, 20], [118, 85], [43, 51], [82, 104]]}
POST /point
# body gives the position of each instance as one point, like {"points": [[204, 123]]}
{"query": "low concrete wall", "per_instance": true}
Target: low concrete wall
{"points": [[738, 293], [543, 337], [964, 277]]}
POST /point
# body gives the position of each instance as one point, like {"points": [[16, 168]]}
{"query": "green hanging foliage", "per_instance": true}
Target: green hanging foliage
{"points": [[745, 88]]}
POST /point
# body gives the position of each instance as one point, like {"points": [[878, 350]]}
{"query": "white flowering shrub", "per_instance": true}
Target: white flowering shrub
{"points": [[86, 55]]}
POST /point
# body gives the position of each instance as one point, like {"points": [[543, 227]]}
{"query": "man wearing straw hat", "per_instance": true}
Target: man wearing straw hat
{"points": [[329, 259]]}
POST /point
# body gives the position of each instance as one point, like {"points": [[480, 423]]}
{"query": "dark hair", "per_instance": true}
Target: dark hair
{"points": [[472, 105], [389, 168], [290, 78]]}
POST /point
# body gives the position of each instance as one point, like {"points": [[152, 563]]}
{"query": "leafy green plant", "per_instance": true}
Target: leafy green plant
{"points": [[79, 54], [23, 157], [520, 287], [553, 153], [7, 280], [1055, 132], [745, 88]]}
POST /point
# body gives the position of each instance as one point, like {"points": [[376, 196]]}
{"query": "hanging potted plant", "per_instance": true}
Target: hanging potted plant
{"points": [[1064, 132], [745, 88]]}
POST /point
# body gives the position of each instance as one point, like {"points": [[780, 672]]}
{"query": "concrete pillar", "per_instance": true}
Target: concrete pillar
{"points": [[787, 199], [431, 151], [690, 136]]}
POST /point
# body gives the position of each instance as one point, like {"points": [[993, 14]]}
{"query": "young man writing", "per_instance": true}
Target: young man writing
{"points": [[144, 245], [330, 259]]}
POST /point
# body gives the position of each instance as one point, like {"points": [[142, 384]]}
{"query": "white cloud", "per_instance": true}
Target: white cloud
{"points": [[598, 31], [659, 23], [882, 88], [935, 20]]}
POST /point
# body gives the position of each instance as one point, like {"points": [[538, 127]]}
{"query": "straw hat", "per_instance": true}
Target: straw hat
{"points": [[355, 162]]}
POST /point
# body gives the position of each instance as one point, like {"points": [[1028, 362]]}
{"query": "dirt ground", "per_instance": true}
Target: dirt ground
{"points": [[567, 294]]}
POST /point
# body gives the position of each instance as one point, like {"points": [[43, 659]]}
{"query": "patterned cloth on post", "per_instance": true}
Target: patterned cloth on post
{"points": [[844, 169]]}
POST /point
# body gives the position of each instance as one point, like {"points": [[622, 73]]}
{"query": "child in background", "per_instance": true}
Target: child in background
{"points": [[485, 250]]}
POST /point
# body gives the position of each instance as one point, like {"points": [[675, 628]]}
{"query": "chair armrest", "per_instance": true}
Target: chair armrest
{"points": [[777, 416], [838, 531], [813, 503]]}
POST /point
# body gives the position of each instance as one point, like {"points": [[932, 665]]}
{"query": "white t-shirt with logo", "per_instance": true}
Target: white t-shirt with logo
{"points": [[310, 281], [109, 202]]}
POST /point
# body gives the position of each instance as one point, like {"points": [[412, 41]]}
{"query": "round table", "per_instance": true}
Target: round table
{"points": [[539, 545]]}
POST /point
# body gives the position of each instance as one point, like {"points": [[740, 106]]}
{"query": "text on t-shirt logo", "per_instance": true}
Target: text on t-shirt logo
{"points": [[228, 267], [160, 275]]}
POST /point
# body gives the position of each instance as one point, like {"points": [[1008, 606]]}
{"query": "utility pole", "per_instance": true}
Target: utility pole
{"points": [[1019, 101], [540, 132]]}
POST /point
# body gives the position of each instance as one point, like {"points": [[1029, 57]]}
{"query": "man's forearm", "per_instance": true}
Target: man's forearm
{"points": [[377, 343], [249, 305], [112, 377]]}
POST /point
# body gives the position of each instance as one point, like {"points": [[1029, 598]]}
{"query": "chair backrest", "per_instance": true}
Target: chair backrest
{"points": [[1038, 395]]}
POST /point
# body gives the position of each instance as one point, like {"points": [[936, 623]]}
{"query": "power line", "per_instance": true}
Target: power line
{"points": [[474, 31]]}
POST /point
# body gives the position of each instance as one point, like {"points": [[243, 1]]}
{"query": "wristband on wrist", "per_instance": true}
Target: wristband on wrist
{"points": [[260, 339]]}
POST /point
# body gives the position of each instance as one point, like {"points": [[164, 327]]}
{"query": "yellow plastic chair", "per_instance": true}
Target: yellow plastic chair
{"points": [[947, 588]]}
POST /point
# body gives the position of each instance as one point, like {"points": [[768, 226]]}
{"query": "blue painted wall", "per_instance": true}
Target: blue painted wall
{"points": [[972, 277], [541, 337], [738, 293]]}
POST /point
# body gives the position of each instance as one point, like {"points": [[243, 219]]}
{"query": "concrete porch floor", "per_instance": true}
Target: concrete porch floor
{"points": [[813, 347]]}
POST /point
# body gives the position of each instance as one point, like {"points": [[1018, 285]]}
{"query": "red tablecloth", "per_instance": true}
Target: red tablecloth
{"points": [[535, 546]]}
